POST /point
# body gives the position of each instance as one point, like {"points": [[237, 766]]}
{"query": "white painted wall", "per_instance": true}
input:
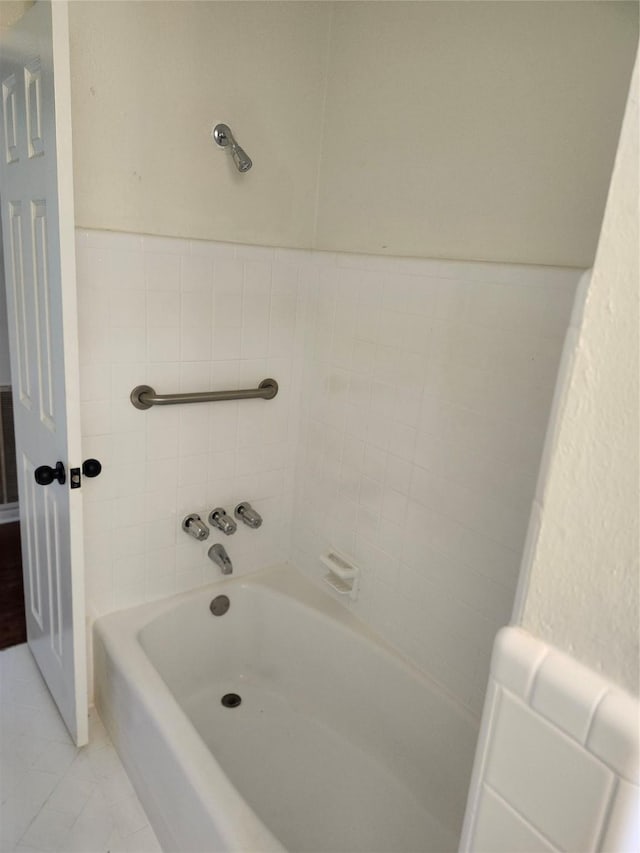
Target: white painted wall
{"points": [[580, 573], [481, 131], [460, 130], [149, 82]]}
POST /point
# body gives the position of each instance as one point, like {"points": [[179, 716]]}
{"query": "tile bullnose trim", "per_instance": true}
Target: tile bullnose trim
{"points": [[516, 658], [597, 713], [614, 735], [550, 722]]}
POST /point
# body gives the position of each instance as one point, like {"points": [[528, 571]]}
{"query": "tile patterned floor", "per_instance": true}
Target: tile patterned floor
{"points": [[55, 797]]}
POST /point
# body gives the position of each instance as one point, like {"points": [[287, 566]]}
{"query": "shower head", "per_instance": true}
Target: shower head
{"points": [[241, 159], [223, 137]]}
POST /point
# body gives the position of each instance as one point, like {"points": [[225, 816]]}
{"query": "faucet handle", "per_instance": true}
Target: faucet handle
{"points": [[245, 512], [195, 526], [219, 518]]}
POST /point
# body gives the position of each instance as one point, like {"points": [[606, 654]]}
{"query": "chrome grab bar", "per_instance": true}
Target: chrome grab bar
{"points": [[144, 396]]}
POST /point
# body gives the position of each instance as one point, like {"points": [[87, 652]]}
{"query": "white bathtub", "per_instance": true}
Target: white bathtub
{"points": [[338, 744]]}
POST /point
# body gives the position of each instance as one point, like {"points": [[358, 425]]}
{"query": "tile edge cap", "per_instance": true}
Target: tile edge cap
{"points": [[516, 658]]}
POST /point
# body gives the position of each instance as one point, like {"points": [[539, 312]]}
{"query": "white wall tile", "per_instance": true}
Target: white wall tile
{"points": [[501, 829], [195, 343], [435, 380], [163, 309], [196, 272], [226, 342], [94, 343], [95, 382], [161, 269], [623, 825], [127, 343], [127, 308], [163, 344], [409, 383], [171, 315], [95, 417], [557, 786], [227, 306], [196, 308], [195, 376], [193, 469]]}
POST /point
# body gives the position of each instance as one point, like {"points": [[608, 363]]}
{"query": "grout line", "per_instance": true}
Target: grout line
{"points": [[518, 815]]}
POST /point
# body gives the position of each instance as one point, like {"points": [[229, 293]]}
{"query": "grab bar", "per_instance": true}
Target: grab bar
{"points": [[144, 396]]}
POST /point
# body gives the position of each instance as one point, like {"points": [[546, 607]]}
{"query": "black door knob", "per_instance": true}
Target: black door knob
{"points": [[91, 467], [45, 474]]}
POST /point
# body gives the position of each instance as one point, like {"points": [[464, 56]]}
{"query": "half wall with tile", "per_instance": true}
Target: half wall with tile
{"points": [[557, 762]]}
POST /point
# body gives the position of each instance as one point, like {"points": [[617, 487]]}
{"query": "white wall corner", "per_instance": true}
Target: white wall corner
{"points": [[579, 579]]}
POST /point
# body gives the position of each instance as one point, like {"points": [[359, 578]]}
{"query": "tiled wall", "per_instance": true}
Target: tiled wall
{"points": [[557, 760], [188, 316], [413, 400], [427, 387]]}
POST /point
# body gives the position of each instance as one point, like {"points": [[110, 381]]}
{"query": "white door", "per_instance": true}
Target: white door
{"points": [[38, 234]]}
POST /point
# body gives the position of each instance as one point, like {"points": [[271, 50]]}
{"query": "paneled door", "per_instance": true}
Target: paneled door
{"points": [[36, 192]]}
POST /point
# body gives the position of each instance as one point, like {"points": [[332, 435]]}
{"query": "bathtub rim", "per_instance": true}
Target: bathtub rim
{"points": [[130, 623]]}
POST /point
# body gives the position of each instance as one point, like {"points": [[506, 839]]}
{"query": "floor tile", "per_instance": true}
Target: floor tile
{"points": [[143, 841], [15, 817], [53, 796], [48, 830]]}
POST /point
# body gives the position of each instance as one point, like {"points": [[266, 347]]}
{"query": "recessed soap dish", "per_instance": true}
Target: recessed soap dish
{"points": [[343, 577]]}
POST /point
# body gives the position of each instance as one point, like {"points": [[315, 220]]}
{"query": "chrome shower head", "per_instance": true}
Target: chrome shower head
{"points": [[241, 159], [223, 137]]}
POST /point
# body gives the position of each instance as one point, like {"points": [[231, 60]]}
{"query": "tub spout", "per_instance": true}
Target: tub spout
{"points": [[218, 554]]}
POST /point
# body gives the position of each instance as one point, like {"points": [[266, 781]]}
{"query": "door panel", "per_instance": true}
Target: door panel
{"points": [[38, 234], [20, 315], [30, 550]]}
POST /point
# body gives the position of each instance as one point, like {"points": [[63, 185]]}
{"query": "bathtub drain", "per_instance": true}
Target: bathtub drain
{"points": [[219, 605], [231, 700]]}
